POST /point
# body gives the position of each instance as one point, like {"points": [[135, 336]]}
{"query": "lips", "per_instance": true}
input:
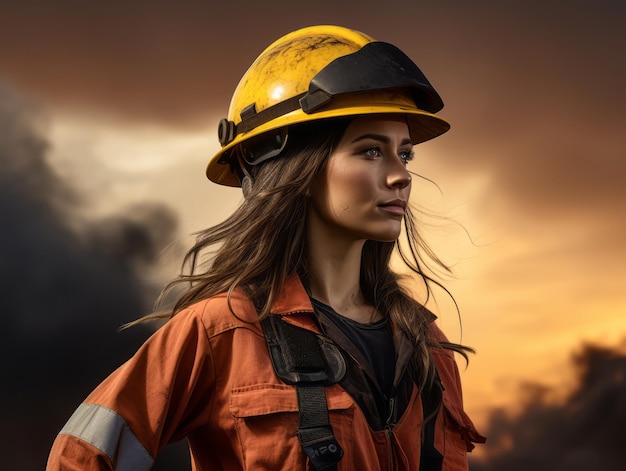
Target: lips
{"points": [[396, 206]]}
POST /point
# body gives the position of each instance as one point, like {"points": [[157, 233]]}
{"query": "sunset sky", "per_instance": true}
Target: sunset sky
{"points": [[128, 96]]}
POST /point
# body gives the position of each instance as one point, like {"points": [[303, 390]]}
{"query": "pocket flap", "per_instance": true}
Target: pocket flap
{"points": [[264, 399]]}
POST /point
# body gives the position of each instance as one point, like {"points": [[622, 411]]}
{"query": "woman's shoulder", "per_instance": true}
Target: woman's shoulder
{"points": [[220, 312], [436, 333]]}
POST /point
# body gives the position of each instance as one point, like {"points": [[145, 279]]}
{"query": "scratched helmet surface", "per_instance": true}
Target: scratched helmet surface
{"points": [[322, 72]]}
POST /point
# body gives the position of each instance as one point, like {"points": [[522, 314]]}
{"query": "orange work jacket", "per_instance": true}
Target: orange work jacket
{"points": [[206, 375]]}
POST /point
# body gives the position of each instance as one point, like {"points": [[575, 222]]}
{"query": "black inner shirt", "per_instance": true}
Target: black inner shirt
{"points": [[374, 341]]}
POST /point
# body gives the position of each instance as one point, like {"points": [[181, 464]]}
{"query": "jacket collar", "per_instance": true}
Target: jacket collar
{"points": [[292, 298], [294, 304]]}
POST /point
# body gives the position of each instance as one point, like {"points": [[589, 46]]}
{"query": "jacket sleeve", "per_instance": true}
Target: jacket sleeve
{"points": [[155, 398]]}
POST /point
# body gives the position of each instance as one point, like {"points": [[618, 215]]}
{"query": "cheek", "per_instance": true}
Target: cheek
{"points": [[350, 181]]}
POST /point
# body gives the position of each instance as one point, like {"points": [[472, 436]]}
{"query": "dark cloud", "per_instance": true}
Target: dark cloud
{"points": [[154, 61], [67, 285], [171, 62], [537, 102], [533, 89], [583, 432]]}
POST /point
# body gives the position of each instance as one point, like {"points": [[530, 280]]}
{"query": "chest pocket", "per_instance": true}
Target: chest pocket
{"points": [[266, 422]]}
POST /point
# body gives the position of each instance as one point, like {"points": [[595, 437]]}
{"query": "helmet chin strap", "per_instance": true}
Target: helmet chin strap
{"points": [[246, 178]]}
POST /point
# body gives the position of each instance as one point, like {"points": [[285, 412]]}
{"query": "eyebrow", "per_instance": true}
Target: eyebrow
{"points": [[381, 138]]}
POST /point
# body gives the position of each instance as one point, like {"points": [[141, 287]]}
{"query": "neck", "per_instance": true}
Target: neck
{"points": [[334, 276]]}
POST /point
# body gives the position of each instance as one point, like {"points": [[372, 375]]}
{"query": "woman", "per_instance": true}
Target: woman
{"points": [[344, 370]]}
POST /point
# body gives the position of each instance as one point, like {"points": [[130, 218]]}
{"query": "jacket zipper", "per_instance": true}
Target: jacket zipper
{"points": [[390, 423], [391, 462], [391, 419]]}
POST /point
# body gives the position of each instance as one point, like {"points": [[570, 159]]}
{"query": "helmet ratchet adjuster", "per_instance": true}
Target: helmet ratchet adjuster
{"points": [[255, 151], [226, 131], [265, 147]]}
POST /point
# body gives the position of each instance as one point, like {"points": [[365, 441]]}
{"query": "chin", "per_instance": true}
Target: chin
{"points": [[385, 237]]}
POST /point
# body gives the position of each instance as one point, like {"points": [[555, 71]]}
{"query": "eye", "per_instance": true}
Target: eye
{"points": [[406, 156], [372, 152]]}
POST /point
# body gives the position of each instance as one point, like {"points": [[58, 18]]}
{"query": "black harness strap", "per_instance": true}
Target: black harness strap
{"points": [[314, 430], [302, 358]]}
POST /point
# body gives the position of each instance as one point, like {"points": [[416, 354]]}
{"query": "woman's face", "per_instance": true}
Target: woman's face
{"points": [[365, 189]]}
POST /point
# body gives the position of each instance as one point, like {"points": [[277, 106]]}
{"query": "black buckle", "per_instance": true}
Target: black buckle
{"points": [[324, 453]]}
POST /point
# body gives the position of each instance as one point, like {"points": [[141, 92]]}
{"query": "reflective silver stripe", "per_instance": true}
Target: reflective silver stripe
{"points": [[108, 432]]}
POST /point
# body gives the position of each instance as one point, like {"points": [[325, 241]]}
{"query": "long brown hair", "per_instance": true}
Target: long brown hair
{"points": [[264, 241]]}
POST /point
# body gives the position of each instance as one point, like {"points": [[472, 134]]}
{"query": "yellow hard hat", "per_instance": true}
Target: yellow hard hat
{"points": [[317, 73]]}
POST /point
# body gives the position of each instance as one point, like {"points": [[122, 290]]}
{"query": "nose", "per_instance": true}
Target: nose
{"points": [[398, 176]]}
